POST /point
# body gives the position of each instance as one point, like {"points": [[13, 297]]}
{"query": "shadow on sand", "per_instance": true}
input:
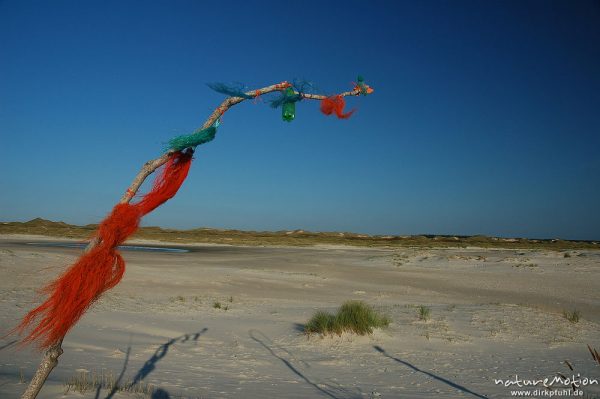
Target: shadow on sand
{"points": [[150, 365], [286, 357], [298, 327], [161, 352], [435, 377], [9, 344]]}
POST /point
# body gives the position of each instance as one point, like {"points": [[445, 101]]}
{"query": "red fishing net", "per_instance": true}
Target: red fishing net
{"points": [[102, 267]]}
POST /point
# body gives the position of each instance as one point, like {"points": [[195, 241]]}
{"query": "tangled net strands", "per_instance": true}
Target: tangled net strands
{"points": [[192, 140], [294, 93], [101, 267], [335, 105], [288, 96], [234, 90], [360, 85]]}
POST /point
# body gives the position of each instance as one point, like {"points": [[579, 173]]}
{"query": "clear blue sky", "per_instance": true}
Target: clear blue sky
{"points": [[485, 117]]}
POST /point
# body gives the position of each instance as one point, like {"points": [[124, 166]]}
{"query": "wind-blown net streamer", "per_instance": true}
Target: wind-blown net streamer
{"points": [[102, 267], [230, 90], [335, 105]]}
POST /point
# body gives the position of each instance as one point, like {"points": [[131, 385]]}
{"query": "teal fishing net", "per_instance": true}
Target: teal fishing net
{"points": [[360, 82], [192, 140], [299, 86], [232, 90]]}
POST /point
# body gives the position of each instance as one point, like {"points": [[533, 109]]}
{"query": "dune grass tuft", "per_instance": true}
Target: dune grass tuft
{"points": [[573, 316], [424, 312], [353, 316]]}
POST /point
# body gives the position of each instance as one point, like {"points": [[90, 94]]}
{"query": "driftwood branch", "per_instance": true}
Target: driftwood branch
{"points": [[150, 166], [50, 359]]}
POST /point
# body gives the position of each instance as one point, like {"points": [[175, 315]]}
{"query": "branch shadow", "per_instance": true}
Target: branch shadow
{"points": [[328, 390], [150, 365], [299, 327], [121, 374], [160, 394], [434, 376], [11, 343]]}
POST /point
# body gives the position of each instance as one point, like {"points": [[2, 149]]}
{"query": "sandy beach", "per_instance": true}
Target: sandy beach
{"points": [[495, 314]]}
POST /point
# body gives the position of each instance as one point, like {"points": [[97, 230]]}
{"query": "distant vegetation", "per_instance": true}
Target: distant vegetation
{"points": [[294, 238], [353, 316]]}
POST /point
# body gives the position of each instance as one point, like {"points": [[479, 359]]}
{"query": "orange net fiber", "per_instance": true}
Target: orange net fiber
{"points": [[102, 267], [335, 104]]}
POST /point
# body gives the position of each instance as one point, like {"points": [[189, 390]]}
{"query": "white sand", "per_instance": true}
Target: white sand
{"points": [[494, 314]]}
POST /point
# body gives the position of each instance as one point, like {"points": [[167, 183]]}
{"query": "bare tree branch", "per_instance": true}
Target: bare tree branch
{"points": [[50, 359], [150, 166]]}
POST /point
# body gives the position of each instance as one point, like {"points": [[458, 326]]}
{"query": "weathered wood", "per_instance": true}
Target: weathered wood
{"points": [[50, 359]]}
